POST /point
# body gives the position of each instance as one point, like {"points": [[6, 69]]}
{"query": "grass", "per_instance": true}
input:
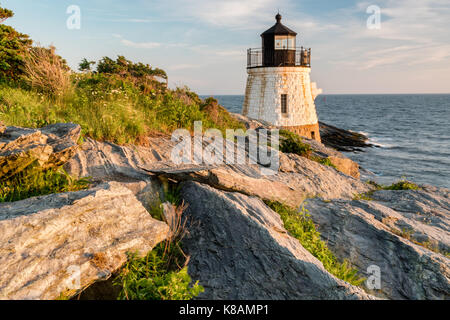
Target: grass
{"points": [[162, 273], [430, 245], [402, 184], [113, 109], [156, 277], [33, 182], [292, 143], [301, 227]]}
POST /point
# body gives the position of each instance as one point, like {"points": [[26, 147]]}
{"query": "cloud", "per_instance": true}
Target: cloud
{"points": [[182, 66], [140, 45]]}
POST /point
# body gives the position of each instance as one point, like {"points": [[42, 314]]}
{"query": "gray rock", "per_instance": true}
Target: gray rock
{"points": [[46, 241], [317, 180], [105, 161], [49, 147], [370, 233], [239, 249], [109, 162]]}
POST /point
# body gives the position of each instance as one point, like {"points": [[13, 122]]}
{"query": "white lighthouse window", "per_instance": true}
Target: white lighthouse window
{"points": [[281, 42], [284, 105], [284, 42]]}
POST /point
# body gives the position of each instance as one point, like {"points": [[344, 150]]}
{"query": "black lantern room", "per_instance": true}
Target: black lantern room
{"points": [[278, 49]]}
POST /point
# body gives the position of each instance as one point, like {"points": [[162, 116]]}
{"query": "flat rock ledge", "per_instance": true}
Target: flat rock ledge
{"points": [[239, 249], [54, 246]]}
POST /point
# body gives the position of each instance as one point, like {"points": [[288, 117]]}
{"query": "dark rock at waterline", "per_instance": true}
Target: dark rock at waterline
{"points": [[342, 140]]}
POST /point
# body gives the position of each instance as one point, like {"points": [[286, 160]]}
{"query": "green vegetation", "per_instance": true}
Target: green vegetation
{"points": [[301, 226], [161, 274], [430, 245], [113, 108], [156, 276], [122, 101], [33, 182], [292, 143], [402, 184], [13, 45]]}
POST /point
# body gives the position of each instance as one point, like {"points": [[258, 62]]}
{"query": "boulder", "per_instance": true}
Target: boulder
{"points": [[239, 249], [56, 245], [397, 241], [48, 147]]}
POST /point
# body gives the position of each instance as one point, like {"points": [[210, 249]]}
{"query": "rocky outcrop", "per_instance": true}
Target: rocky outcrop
{"points": [[55, 245], [239, 249], [316, 180], [404, 233], [342, 140], [105, 161], [323, 151], [298, 177], [48, 147], [341, 162]]}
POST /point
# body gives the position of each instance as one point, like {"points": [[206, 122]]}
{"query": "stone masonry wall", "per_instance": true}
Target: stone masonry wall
{"points": [[263, 96]]}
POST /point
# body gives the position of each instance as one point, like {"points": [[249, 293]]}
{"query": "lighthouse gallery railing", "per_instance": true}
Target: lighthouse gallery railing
{"points": [[302, 58]]}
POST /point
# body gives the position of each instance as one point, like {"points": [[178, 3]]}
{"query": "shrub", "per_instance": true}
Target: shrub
{"points": [[13, 45], [47, 72], [301, 227], [33, 182]]}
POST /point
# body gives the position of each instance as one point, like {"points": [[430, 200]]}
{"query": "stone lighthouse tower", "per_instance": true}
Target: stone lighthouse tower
{"points": [[279, 89]]}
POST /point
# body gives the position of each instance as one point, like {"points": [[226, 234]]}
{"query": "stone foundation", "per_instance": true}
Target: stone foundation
{"points": [[310, 131]]}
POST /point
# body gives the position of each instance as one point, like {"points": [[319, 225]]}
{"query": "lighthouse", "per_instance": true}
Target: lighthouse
{"points": [[279, 90]]}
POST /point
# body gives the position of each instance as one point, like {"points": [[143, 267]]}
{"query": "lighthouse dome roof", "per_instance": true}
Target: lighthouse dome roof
{"points": [[279, 29]]}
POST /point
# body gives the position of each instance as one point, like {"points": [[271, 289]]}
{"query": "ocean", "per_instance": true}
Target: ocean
{"points": [[411, 132]]}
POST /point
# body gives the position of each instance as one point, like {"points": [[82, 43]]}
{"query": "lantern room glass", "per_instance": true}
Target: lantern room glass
{"points": [[284, 42]]}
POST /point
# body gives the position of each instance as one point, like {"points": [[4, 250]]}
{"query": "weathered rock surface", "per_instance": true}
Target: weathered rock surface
{"points": [[341, 162], [45, 241], [239, 249], [48, 147], [324, 151], [314, 179], [374, 233], [342, 140], [105, 161], [298, 177]]}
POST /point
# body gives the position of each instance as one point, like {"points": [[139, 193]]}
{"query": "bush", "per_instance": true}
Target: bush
{"points": [[47, 72], [301, 227], [13, 45]]}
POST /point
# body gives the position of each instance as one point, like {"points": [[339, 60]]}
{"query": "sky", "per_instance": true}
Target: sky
{"points": [[202, 43]]}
